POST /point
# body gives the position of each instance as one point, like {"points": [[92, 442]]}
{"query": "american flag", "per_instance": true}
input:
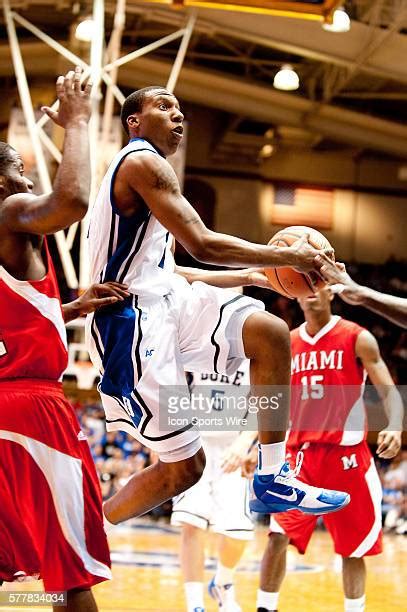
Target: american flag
{"points": [[297, 205]]}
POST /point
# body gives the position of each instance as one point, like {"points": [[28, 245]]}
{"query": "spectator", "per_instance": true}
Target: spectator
{"points": [[394, 493]]}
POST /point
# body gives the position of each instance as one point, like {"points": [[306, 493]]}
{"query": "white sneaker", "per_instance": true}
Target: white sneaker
{"points": [[225, 596]]}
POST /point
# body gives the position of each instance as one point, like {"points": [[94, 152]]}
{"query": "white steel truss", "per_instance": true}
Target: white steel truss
{"points": [[98, 71]]}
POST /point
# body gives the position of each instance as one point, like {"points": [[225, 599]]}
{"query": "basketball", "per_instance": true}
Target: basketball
{"points": [[287, 281]]}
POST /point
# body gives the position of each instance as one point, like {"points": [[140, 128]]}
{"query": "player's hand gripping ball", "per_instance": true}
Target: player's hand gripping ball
{"points": [[287, 281]]}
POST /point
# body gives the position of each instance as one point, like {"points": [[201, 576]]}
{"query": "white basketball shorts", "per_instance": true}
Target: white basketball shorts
{"points": [[218, 501], [141, 346]]}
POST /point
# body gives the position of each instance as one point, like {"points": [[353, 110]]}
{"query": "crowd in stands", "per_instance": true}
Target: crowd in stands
{"points": [[393, 477]]}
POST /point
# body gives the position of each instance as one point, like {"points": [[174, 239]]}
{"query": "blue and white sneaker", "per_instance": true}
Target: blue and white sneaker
{"points": [[285, 492], [225, 596], [199, 609]]}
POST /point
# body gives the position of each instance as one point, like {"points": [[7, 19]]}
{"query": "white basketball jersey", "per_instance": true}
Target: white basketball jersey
{"points": [[133, 250], [215, 382]]}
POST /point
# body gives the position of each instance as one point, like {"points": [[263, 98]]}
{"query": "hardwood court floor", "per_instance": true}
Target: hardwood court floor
{"points": [[146, 576]]}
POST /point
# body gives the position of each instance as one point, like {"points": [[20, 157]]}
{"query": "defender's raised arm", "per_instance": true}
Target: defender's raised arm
{"points": [[24, 212]]}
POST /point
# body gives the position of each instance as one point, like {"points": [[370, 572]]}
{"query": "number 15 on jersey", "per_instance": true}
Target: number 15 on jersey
{"points": [[312, 387]]}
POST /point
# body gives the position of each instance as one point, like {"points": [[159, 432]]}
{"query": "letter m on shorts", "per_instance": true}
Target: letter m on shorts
{"points": [[349, 462]]}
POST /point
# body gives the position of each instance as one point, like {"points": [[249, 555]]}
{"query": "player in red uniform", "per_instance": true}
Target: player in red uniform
{"points": [[330, 360], [50, 511]]}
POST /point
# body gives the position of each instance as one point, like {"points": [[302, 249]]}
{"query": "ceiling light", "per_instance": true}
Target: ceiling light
{"points": [[85, 30], [340, 23], [266, 151], [286, 79]]}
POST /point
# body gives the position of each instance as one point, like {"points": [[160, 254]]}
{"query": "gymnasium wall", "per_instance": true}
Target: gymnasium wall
{"points": [[366, 227]]}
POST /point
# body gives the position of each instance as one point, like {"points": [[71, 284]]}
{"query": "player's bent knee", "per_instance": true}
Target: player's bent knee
{"points": [[187, 472], [191, 531], [80, 599], [278, 542], [353, 561], [264, 333], [279, 334]]}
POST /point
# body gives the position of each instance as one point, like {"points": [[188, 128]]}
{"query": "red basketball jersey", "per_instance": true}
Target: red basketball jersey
{"points": [[327, 385], [32, 331]]}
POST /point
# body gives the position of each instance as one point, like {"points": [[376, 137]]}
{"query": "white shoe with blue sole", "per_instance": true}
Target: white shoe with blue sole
{"points": [[282, 492]]}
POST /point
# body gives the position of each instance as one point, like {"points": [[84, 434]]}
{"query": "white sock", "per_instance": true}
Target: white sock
{"points": [[271, 458], [194, 595], [224, 575], [267, 600], [355, 604]]}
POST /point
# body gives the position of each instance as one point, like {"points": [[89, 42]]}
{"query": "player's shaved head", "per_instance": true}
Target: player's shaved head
{"points": [[7, 157], [12, 179], [134, 102]]}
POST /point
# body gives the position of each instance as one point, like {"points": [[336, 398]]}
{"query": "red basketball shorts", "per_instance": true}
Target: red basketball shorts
{"points": [[51, 522], [355, 530]]}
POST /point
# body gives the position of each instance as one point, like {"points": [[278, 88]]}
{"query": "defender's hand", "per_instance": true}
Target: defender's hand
{"points": [[100, 295], [234, 455], [389, 444], [340, 281], [74, 100], [305, 255]]}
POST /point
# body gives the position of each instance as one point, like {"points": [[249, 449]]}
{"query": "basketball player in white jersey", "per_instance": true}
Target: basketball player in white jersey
{"points": [[167, 326], [218, 501]]}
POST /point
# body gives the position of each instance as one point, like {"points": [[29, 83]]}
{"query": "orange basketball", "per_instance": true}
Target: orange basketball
{"points": [[287, 281]]}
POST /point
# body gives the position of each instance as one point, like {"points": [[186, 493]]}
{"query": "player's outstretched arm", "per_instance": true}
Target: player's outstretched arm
{"points": [[68, 202], [389, 440], [226, 279], [152, 177], [389, 306], [97, 296]]}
